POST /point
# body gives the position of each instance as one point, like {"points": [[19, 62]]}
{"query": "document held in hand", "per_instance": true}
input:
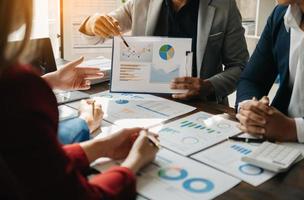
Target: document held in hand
{"points": [[149, 64]]}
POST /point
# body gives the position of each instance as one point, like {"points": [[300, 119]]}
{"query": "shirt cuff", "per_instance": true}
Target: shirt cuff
{"points": [[77, 156], [300, 129]]}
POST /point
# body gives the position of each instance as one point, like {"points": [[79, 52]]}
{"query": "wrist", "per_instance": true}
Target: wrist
{"points": [[94, 149], [131, 164], [207, 88], [291, 130], [52, 80]]}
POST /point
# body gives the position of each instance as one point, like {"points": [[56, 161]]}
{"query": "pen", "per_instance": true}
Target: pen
{"points": [[124, 41], [247, 140], [154, 143], [93, 108], [152, 140]]}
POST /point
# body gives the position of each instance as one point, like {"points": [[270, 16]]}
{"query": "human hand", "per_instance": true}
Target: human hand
{"points": [[120, 143], [93, 118], [103, 25], [194, 86], [143, 152], [74, 77], [260, 119], [252, 115]]}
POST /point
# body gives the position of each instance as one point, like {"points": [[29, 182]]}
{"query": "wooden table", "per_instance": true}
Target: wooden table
{"points": [[289, 185]]}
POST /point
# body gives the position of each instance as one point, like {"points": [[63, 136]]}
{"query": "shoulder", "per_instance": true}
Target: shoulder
{"points": [[27, 91], [278, 14]]}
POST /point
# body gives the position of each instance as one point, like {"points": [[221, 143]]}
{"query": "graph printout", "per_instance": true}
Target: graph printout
{"points": [[174, 177], [227, 158], [196, 132], [149, 64], [139, 110]]}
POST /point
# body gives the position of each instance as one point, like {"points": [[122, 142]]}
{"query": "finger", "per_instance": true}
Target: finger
{"points": [[88, 72], [129, 131], [93, 77], [183, 96], [183, 80], [257, 107], [112, 25], [115, 22], [181, 86], [99, 32], [265, 100], [246, 121], [106, 27], [75, 63], [252, 116], [85, 85], [256, 130]]}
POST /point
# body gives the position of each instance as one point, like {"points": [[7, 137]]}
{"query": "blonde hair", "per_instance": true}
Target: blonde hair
{"points": [[13, 15]]}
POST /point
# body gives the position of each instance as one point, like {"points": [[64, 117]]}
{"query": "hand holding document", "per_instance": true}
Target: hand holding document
{"points": [[149, 64]]}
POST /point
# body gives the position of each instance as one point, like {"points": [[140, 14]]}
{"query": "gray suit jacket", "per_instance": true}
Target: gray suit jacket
{"points": [[220, 38]]}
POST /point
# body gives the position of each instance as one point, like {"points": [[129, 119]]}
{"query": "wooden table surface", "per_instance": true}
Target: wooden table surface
{"points": [[288, 185]]}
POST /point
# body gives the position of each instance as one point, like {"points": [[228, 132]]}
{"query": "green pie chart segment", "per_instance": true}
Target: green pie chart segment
{"points": [[166, 52]]}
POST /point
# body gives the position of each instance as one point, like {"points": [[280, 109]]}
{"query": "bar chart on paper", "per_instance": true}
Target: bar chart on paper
{"points": [[195, 132], [227, 157]]}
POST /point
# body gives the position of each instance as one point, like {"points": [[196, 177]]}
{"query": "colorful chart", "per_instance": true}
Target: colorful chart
{"points": [[173, 173], [251, 170], [137, 52], [166, 52], [241, 149], [189, 124], [122, 101], [198, 185]]}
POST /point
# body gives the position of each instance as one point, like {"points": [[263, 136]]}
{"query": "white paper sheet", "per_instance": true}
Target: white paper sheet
{"points": [[227, 157], [195, 132], [175, 177], [149, 64], [139, 110], [172, 176]]}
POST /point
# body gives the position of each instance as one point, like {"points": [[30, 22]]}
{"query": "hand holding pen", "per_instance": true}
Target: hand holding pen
{"points": [[105, 26]]}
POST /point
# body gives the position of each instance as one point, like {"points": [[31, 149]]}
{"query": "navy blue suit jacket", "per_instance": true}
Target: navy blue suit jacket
{"points": [[270, 59]]}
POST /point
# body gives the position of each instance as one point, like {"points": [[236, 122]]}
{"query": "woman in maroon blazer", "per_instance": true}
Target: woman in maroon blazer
{"points": [[40, 167]]}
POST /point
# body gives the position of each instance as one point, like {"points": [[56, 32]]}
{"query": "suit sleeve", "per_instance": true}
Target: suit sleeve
{"points": [[43, 168], [234, 54], [261, 72]]}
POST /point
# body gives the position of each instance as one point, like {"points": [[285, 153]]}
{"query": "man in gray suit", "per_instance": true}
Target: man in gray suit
{"points": [[214, 26]]}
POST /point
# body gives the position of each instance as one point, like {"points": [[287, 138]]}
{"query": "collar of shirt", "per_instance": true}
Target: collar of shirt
{"points": [[293, 17]]}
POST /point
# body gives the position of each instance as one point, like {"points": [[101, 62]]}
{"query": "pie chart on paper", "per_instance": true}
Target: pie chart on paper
{"points": [[166, 52]]}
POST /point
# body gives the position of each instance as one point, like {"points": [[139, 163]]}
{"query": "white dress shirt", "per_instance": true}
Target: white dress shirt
{"points": [[292, 20]]}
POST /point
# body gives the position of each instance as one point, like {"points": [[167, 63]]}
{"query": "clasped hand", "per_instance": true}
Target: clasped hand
{"points": [[260, 119]]}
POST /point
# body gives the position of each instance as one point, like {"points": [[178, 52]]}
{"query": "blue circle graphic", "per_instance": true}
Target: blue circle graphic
{"points": [[122, 101], [166, 52], [206, 185], [251, 170], [173, 173]]}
